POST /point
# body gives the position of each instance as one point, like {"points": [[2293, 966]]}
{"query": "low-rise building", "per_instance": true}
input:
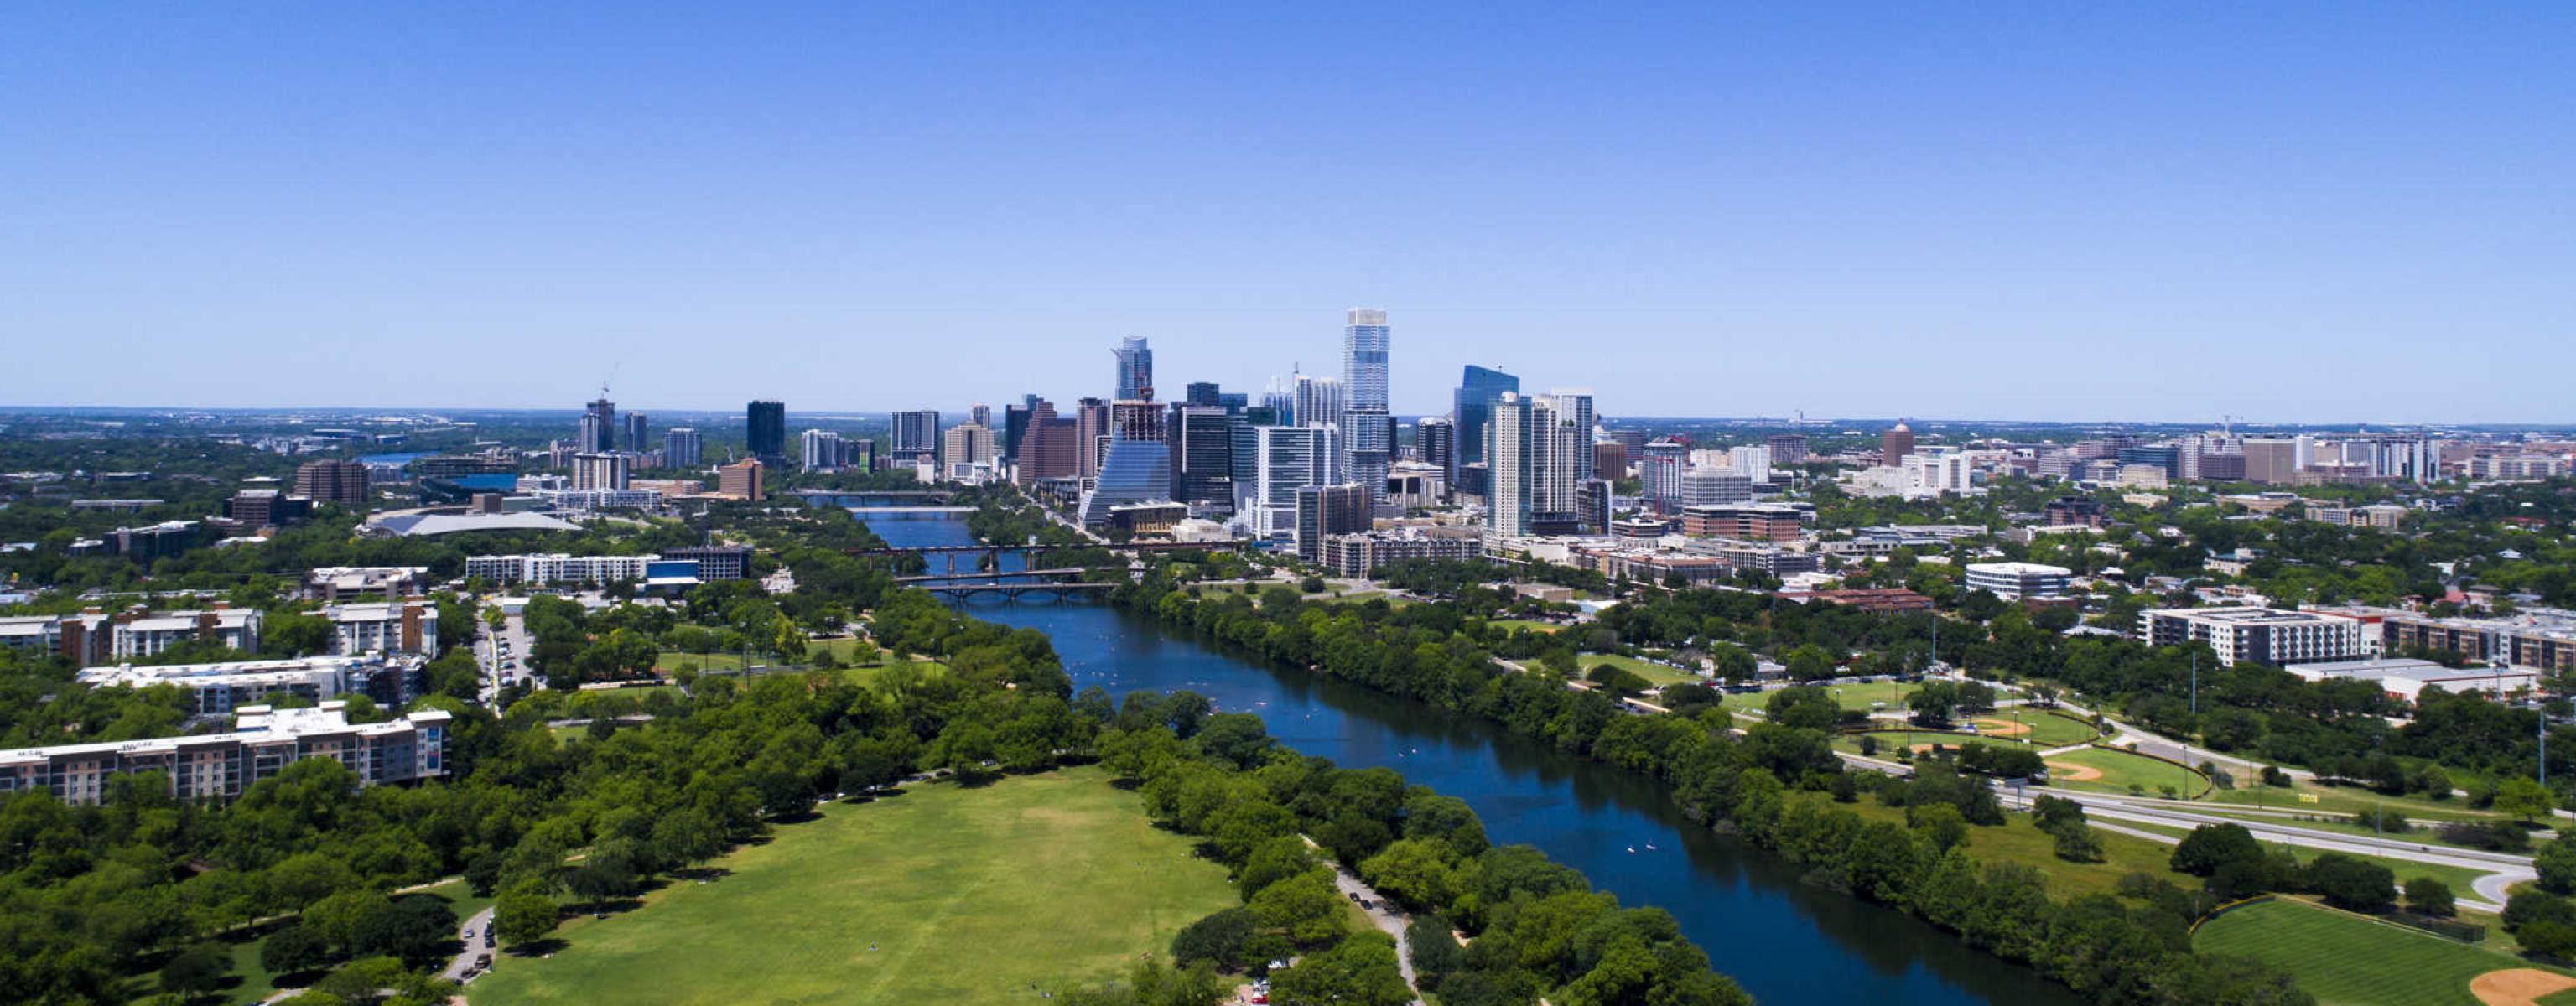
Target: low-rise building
{"points": [[217, 689], [555, 569], [263, 743], [2262, 635], [2019, 581], [1745, 521], [407, 626], [1362, 553], [138, 636], [716, 562], [335, 584], [2407, 679]]}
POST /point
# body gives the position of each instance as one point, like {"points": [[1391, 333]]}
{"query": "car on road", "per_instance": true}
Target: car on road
{"points": [[482, 961]]}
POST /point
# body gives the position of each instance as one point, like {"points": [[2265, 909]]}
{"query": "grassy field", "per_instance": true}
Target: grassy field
{"points": [[2345, 960], [2118, 770], [2039, 728], [1649, 670], [2461, 879], [2346, 800], [1863, 695], [2019, 841], [1508, 624], [966, 896]]}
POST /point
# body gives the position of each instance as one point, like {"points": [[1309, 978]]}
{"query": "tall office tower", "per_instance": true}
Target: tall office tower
{"points": [[1435, 442], [963, 447], [635, 433], [1203, 456], [1632, 438], [1324, 511], [1201, 393], [1134, 471], [1233, 401], [332, 482], [980, 414], [1049, 450], [683, 448], [1091, 432], [598, 427], [1473, 408], [1320, 401], [1136, 420], [2272, 461], [1753, 463], [1135, 369], [1896, 444], [822, 450], [1664, 462], [912, 436], [1015, 427], [1289, 458], [599, 470], [1368, 433], [1507, 461], [1609, 459], [1787, 448], [767, 433]]}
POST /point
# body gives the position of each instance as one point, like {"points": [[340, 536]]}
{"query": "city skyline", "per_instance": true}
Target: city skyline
{"points": [[2071, 215]]}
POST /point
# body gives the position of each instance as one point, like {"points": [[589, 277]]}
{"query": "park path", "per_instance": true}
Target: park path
{"points": [[470, 931], [1383, 915]]}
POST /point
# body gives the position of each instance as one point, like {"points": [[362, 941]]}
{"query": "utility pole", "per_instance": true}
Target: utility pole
{"points": [[2195, 682]]}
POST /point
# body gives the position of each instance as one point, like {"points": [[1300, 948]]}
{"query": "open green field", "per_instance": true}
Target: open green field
{"points": [[2347, 960], [2344, 800], [2035, 727], [1865, 695], [2020, 841], [1508, 624], [2114, 771], [966, 896], [1647, 669]]}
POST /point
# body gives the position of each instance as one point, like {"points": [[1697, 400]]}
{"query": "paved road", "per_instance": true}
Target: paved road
{"points": [[471, 931], [1383, 915]]}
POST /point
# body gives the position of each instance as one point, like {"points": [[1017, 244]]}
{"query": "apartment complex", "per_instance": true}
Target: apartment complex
{"points": [[264, 741], [218, 690], [2019, 581], [2263, 635]]}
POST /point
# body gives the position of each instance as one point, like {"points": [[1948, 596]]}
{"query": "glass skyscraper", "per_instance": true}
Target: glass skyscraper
{"points": [[1368, 433], [1474, 411]]}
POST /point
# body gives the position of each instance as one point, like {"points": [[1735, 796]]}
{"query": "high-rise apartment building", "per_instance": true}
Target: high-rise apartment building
{"points": [[1368, 432], [342, 482], [1896, 444], [1288, 458], [682, 447], [821, 450], [1327, 510], [766, 427], [1320, 401], [912, 436], [598, 427], [1660, 472], [1135, 369], [1508, 446], [980, 414], [635, 433], [600, 470], [2273, 462], [1787, 448], [1753, 463]]}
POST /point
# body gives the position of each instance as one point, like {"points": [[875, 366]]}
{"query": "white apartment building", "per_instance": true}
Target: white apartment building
{"points": [[148, 635], [390, 627], [557, 568], [2263, 635], [2018, 581]]}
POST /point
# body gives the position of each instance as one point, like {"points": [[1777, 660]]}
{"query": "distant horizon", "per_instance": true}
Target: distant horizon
{"points": [[946, 414]]}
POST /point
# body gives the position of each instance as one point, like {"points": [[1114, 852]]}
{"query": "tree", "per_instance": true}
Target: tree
{"points": [[2351, 883], [293, 950], [524, 917], [2524, 799], [2556, 863], [1306, 908], [2211, 846], [1358, 971], [1804, 707], [1810, 663], [197, 970], [2427, 896], [1219, 938]]}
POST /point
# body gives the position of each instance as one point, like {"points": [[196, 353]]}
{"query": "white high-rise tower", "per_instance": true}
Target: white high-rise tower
{"points": [[1368, 432]]}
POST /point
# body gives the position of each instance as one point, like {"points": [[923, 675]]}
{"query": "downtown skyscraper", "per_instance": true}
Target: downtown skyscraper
{"points": [[1368, 432], [1473, 410]]}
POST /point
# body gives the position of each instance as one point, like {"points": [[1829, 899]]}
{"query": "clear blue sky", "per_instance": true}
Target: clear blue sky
{"points": [[2327, 212]]}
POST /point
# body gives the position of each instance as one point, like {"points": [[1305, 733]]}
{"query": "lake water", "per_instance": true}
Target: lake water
{"points": [[1785, 942]]}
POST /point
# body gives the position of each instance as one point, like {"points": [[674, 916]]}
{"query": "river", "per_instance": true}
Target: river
{"points": [[1784, 941]]}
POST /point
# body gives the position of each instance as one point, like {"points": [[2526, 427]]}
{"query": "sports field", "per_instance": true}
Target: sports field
{"points": [[1862, 695], [2346, 960], [939, 895], [1654, 673], [2106, 770]]}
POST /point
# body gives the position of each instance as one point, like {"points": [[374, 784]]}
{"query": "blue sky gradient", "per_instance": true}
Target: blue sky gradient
{"points": [[2302, 212]]}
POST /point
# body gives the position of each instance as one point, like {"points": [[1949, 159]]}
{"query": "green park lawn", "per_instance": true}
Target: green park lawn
{"points": [[2119, 770], [2347, 960], [967, 896], [1864, 696], [2308, 796], [1655, 673], [1533, 625]]}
